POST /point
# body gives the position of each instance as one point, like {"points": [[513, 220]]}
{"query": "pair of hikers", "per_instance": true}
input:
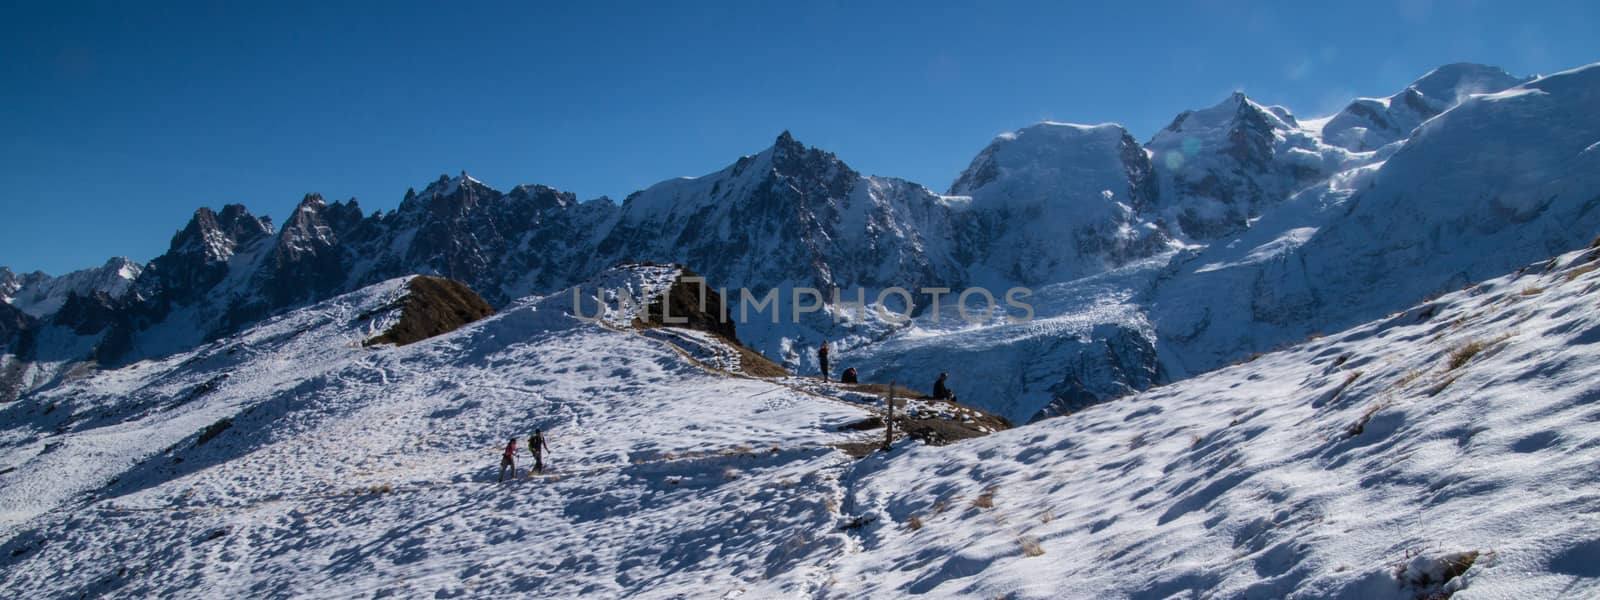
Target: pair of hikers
{"points": [[849, 375], [536, 445]]}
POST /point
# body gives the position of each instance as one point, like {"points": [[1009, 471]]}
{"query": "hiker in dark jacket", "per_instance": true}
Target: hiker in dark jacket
{"points": [[537, 446], [849, 376], [942, 391], [822, 359], [509, 460]]}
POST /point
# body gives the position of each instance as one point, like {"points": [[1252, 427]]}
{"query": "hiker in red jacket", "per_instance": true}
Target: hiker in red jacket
{"points": [[509, 459]]}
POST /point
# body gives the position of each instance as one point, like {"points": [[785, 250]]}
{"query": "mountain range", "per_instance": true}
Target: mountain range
{"points": [[1233, 230]]}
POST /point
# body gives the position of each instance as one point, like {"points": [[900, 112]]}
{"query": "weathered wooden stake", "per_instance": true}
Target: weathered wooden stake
{"points": [[888, 422]]}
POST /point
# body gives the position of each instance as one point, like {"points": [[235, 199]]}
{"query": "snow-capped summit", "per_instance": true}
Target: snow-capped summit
{"points": [[1058, 201], [1495, 182], [1371, 123], [1222, 166], [790, 214], [9, 284], [41, 295]]}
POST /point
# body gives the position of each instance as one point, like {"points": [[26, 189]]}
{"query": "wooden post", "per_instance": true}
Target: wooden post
{"points": [[888, 421]]}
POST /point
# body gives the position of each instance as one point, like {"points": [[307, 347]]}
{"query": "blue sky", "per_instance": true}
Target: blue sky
{"points": [[121, 118]]}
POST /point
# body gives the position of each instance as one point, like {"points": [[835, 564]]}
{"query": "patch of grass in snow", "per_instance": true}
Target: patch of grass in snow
{"points": [[213, 430], [1439, 387], [1030, 546], [1464, 353], [1137, 442], [1431, 577], [984, 500], [914, 522], [1583, 270], [1532, 290], [1047, 516], [1355, 429], [1410, 376]]}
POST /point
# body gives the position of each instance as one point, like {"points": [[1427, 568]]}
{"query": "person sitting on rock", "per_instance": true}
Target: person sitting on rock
{"points": [[849, 376], [942, 391]]}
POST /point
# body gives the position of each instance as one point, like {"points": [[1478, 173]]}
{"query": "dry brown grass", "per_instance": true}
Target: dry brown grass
{"points": [[1464, 353], [1532, 290], [1581, 271], [432, 306], [914, 522], [984, 500], [1030, 546]]}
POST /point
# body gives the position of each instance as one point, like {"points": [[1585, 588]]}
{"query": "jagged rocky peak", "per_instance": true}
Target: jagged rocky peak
{"points": [[1222, 166], [1237, 127], [315, 224], [214, 236], [542, 197], [1371, 123], [8, 284], [449, 196]]}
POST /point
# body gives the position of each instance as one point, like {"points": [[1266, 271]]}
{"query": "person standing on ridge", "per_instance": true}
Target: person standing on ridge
{"points": [[509, 460], [822, 359], [537, 446]]}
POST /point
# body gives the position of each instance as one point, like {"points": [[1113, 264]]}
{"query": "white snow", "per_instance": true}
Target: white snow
{"points": [[1369, 463]]}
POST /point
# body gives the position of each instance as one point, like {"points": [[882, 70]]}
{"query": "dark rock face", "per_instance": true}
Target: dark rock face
{"points": [[16, 332], [200, 253], [9, 283], [789, 214], [1225, 165], [13, 324], [1118, 362], [309, 262]]}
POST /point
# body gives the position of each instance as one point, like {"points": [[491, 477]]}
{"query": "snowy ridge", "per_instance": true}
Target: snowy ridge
{"points": [[632, 500], [1457, 437], [1371, 123], [1302, 473], [40, 295]]}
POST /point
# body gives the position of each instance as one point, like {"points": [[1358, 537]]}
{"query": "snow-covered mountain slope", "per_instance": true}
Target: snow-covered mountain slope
{"points": [[41, 295], [1459, 436], [1057, 201], [1370, 123], [1223, 166], [1444, 448], [1088, 341], [1498, 181], [289, 460]]}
